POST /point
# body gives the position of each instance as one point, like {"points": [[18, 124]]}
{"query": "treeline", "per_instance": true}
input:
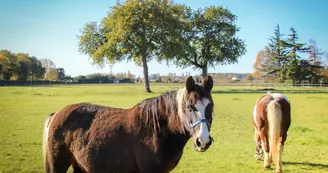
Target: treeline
{"points": [[105, 78], [20, 66], [286, 60], [24, 67], [229, 76]]}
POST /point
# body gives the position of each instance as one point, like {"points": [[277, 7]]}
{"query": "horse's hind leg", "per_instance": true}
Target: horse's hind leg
{"points": [[258, 149], [265, 145], [57, 161], [280, 150], [279, 161]]}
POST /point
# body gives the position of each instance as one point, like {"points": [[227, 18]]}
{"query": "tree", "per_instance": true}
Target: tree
{"points": [[8, 62], [293, 54], [315, 53], [23, 66], [136, 30], [276, 61], [20, 66], [37, 71], [61, 73], [281, 60], [129, 75], [260, 59], [325, 71], [47, 64], [52, 75], [250, 77], [120, 76], [209, 39], [315, 62]]}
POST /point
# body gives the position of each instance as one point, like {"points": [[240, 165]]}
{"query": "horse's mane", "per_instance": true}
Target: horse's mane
{"points": [[156, 111]]}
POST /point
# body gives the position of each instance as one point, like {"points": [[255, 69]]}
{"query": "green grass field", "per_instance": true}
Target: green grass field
{"points": [[24, 109]]}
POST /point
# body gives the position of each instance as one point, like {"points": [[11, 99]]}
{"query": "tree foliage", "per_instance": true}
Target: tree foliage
{"points": [[52, 74], [140, 31], [47, 64], [20, 66], [209, 39], [136, 30], [282, 60], [259, 64]]}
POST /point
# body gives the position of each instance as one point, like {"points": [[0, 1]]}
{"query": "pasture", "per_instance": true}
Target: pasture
{"points": [[24, 109]]}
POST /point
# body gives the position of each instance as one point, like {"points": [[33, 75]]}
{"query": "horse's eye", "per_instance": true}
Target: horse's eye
{"points": [[192, 108]]}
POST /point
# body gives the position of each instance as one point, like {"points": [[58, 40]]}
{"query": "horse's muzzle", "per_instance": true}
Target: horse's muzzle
{"points": [[197, 145]]}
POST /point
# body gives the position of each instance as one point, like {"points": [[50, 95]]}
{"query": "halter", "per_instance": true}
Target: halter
{"points": [[198, 122], [194, 124]]}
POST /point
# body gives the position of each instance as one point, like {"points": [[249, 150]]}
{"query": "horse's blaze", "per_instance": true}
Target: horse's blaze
{"points": [[203, 134]]}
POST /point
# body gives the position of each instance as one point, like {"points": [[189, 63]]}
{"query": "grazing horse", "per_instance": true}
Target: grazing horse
{"points": [[271, 119], [148, 137]]}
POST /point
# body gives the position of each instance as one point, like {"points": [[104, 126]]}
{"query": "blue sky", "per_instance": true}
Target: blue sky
{"points": [[49, 29]]}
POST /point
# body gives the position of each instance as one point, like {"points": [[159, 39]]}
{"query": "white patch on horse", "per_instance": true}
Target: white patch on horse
{"points": [[278, 95], [46, 134], [254, 111], [254, 114], [180, 98], [49, 124], [203, 134]]}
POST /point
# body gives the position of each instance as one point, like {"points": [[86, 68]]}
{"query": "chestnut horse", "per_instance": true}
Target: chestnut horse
{"points": [[271, 119], [148, 137]]}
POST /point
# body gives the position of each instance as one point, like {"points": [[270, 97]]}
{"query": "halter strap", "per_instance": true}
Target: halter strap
{"points": [[200, 121]]}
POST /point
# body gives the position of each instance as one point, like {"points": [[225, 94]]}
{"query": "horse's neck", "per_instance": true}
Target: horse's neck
{"points": [[161, 110], [159, 116], [172, 148], [176, 140]]}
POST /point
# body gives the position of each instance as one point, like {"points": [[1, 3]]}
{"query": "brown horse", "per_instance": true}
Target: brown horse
{"points": [[148, 137], [271, 119]]}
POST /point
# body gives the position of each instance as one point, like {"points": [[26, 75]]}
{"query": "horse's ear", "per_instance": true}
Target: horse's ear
{"points": [[190, 83], [208, 83]]}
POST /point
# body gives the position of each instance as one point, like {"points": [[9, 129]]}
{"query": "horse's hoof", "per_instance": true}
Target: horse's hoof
{"points": [[258, 157], [267, 166], [278, 170]]}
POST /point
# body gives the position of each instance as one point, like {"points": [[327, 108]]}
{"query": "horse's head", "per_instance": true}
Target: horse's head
{"points": [[197, 111]]}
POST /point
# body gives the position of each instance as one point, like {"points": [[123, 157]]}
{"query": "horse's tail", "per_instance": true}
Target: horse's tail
{"points": [[45, 139], [274, 119]]}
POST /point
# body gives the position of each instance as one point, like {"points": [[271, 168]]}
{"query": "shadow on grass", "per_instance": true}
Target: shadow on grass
{"points": [[316, 165]]}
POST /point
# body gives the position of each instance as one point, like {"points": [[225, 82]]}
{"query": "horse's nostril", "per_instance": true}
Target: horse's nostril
{"points": [[198, 143]]}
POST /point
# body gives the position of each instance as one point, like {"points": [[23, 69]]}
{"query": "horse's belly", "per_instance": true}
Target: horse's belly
{"points": [[107, 160]]}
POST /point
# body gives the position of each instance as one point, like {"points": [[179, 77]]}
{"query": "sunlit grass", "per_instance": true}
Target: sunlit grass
{"points": [[24, 109]]}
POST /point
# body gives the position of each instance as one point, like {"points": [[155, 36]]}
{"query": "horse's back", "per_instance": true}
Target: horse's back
{"points": [[85, 130], [259, 114], [260, 109]]}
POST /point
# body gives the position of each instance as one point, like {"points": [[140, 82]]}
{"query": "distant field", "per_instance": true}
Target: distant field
{"points": [[24, 109]]}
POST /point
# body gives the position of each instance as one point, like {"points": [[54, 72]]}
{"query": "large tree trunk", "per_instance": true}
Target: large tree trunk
{"points": [[145, 73], [204, 71]]}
